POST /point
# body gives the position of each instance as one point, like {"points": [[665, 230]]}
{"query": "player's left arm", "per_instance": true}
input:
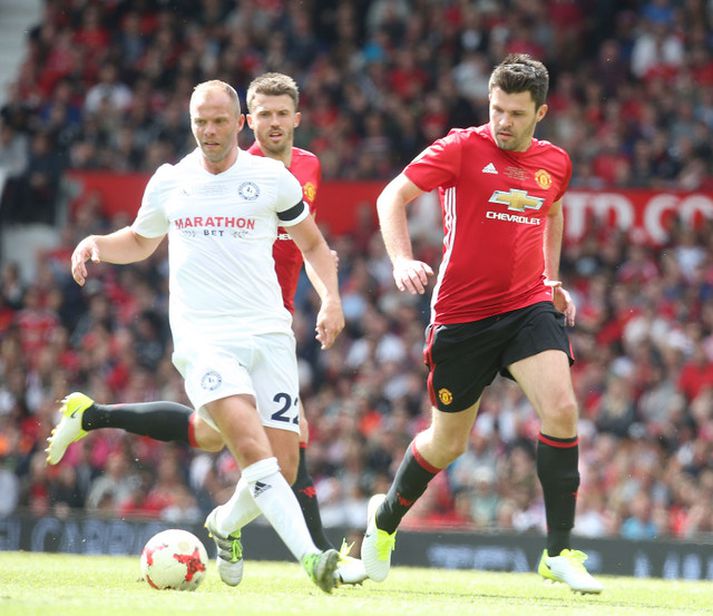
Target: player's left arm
{"points": [[323, 269], [312, 276], [313, 180], [554, 229]]}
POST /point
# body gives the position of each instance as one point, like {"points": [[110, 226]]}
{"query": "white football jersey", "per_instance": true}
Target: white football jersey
{"points": [[221, 229]]}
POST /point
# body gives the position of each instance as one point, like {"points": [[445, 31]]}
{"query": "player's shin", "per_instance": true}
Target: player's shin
{"points": [[277, 502], [238, 511], [410, 482], [304, 490], [163, 421], [557, 470]]}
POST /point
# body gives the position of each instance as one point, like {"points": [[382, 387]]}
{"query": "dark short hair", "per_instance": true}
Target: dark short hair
{"points": [[272, 84], [521, 73]]}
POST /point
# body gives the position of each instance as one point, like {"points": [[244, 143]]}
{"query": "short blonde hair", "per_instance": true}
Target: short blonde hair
{"points": [[217, 84]]}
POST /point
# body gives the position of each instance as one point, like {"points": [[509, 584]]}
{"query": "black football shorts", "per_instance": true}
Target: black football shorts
{"points": [[464, 358]]}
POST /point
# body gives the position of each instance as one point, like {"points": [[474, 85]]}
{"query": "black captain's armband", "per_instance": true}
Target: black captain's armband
{"points": [[292, 213]]}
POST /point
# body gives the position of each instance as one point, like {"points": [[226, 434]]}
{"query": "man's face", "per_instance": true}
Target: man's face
{"points": [[273, 119], [215, 123], [513, 119]]}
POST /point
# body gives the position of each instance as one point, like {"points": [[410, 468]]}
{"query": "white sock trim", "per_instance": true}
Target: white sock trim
{"points": [[260, 469]]}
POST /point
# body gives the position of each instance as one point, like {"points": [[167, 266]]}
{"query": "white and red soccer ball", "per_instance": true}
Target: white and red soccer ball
{"points": [[174, 559]]}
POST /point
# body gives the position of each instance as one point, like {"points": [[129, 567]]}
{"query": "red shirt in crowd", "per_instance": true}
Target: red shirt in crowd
{"points": [[695, 375], [494, 204]]}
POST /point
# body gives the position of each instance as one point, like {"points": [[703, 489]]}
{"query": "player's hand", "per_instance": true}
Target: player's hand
{"points": [[562, 301], [411, 275], [330, 323], [86, 249], [335, 256]]}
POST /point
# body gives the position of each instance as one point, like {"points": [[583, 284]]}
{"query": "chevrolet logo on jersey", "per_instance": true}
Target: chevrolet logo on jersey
{"points": [[516, 200]]}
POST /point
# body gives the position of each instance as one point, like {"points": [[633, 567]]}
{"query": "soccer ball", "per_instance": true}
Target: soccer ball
{"points": [[175, 559]]}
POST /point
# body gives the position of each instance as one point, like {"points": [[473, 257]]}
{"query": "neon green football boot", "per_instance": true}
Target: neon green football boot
{"points": [[69, 429]]}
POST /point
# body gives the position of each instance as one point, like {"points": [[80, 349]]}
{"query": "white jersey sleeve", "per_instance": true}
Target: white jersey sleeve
{"points": [[151, 219], [289, 205]]}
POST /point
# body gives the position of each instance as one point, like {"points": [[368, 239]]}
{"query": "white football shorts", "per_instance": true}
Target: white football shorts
{"points": [[264, 367]]}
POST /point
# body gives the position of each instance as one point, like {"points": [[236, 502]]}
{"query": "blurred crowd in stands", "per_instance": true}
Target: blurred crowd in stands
{"points": [[644, 377], [105, 86]]}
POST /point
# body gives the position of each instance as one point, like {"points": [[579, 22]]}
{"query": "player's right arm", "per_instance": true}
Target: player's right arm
{"points": [[409, 274], [141, 239], [561, 298], [121, 247]]}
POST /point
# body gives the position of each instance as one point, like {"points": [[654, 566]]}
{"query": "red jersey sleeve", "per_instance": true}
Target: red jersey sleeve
{"points": [[439, 164], [306, 167], [310, 187], [567, 177]]}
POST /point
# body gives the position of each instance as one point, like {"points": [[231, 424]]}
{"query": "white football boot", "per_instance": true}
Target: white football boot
{"points": [[350, 570], [230, 553], [569, 569], [377, 545]]}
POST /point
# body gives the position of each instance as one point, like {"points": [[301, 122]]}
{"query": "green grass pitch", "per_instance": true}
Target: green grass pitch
{"points": [[61, 584]]}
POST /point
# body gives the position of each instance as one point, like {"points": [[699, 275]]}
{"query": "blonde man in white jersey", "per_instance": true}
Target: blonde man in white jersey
{"points": [[234, 345]]}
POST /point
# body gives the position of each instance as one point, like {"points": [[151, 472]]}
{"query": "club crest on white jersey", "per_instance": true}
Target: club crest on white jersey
{"points": [[249, 191]]}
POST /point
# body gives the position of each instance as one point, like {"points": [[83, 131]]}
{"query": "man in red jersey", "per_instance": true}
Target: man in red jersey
{"points": [[272, 101], [496, 306]]}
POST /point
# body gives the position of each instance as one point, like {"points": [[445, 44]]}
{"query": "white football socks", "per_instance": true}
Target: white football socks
{"points": [[238, 511], [272, 496]]}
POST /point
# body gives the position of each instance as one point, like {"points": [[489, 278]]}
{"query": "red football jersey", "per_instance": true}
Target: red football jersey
{"points": [[306, 167], [494, 204]]}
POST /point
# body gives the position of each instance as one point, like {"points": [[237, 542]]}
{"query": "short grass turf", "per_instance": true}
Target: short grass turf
{"points": [[61, 584]]}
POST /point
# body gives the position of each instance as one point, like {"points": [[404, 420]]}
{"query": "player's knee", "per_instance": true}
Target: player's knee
{"points": [[456, 449], [207, 438], [563, 414], [449, 448]]}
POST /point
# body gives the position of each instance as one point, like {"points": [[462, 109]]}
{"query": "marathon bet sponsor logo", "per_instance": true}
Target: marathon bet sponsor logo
{"points": [[249, 191], [211, 380], [214, 226]]}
